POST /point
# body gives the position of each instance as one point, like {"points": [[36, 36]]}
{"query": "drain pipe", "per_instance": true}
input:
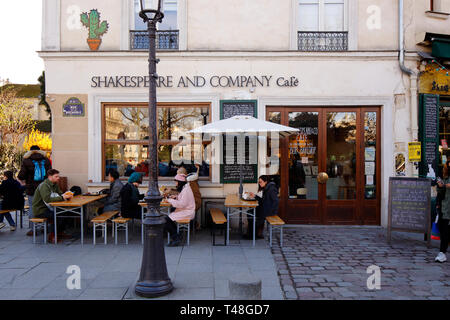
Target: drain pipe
{"points": [[413, 76]]}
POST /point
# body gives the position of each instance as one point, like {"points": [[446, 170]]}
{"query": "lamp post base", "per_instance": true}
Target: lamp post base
{"points": [[149, 289]]}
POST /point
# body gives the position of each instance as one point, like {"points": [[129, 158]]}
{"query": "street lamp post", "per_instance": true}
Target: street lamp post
{"points": [[154, 280]]}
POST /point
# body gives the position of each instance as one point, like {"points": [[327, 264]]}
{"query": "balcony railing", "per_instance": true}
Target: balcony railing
{"points": [[322, 41], [165, 40]]}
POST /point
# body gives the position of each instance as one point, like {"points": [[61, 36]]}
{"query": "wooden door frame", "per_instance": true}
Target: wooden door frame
{"points": [[360, 202]]}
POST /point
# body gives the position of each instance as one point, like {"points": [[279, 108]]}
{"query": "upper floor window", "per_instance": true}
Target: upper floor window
{"points": [[168, 34], [322, 25], [321, 15], [440, 6]]}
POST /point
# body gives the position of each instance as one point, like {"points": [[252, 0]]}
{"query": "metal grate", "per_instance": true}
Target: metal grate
{"points": [[322, 41], [165, 40]]}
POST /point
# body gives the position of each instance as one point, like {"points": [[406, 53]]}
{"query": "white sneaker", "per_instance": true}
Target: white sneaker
{"points": [[2, 225], [441, 257], [12, 228]]}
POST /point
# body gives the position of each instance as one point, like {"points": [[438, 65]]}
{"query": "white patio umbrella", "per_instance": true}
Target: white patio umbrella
{"points": [[245, 125]]}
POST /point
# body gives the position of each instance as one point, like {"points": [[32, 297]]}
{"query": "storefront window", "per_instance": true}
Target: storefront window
{"points": [[370, 143], [444, 134], [341, 155], [304, 156], [126, 139]]}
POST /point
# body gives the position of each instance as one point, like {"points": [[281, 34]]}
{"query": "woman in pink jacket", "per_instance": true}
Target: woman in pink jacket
{"points": [[184, 204]]}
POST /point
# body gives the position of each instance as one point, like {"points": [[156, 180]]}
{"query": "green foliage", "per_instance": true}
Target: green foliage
{"points": [[92, 22], [16, 121], [42, 95]]}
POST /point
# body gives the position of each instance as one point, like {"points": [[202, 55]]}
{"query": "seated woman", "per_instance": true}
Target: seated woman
{"points": [[184, 204], [130, 197], [267, 206], [112, 202]]}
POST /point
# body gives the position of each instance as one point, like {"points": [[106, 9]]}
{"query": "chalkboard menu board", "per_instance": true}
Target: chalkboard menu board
{"points": [[409, 205], [429, 133], [229, 173]]}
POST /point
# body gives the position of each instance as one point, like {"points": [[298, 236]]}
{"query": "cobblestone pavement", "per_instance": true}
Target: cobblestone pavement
{"points": [[331, 263]]}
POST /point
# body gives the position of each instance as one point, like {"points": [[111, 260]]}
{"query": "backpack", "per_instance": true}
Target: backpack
{"points": [[76, 190], [39, 170]]}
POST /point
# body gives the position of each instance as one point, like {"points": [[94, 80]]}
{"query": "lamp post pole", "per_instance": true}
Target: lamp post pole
{"points": [[154, 280]]}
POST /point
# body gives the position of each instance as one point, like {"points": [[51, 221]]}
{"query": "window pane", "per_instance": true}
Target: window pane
{"points": [[170, 16], [308, 17], [334, 17], [175, 122], [274, 117], [129, 158], [341, 155], [304, 156], [126, 123], [370, 143]]}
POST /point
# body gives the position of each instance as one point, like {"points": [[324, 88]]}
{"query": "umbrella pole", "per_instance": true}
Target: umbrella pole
{"points": [[241, 186]]}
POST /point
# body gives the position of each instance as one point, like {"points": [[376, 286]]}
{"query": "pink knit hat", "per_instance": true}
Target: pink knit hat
{"points": [[180, 177]]}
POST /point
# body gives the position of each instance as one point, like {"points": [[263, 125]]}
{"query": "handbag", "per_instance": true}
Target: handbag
{"points": [[435, 234]]}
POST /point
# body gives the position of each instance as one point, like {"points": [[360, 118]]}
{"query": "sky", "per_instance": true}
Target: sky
{"points": [[20, 38]]}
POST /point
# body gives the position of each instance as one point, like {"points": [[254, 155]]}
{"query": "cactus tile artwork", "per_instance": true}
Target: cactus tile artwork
{"points": [[96, 28]]}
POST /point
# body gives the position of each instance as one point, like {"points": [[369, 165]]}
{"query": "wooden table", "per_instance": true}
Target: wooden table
{"points": [[235, 206], [75, 206], [164, 204]]}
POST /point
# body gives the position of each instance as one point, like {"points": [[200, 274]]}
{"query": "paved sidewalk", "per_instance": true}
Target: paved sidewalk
{"points": [[331, 263], [199, 271]]}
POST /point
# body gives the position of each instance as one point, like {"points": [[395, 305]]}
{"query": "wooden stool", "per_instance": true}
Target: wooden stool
{"points": [[39, 223], [101, 221], [121, 223], [184, 225], [218, 219], [277, 223]]}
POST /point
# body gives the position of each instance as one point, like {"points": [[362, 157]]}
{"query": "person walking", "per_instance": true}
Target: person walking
{"points": [[33, 171], [267, 206], [12, 192], [443, 209], [130, 197], [184, 204]]}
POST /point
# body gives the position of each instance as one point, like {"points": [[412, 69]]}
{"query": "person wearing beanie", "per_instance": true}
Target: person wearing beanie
{"points": [[130, 197], [184, 204]]}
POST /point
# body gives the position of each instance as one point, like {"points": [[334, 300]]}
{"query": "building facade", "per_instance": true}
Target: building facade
{"points": [[328, 68]]}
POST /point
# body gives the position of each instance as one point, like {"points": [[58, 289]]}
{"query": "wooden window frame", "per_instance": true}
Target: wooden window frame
{"points": [[106, 142]]}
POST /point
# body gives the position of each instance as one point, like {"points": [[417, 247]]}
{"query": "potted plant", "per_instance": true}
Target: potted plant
{"points": [[96, 29]]}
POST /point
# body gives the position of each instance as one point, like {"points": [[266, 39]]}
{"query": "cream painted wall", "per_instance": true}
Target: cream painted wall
{"points": [[74, 34], [239, 25]]}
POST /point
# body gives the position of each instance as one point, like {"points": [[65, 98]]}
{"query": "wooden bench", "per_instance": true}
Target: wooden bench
{"points": [[16, 211], [121, 223], [101, 221], [39, 223], [218, 219], [275, 222]]}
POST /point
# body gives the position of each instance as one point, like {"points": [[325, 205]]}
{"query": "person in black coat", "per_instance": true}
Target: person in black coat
{"points": [[130, 197], [267, 206], [12, 192]]}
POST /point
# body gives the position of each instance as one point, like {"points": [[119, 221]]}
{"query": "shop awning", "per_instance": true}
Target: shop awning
{"points": [[440, 44]]}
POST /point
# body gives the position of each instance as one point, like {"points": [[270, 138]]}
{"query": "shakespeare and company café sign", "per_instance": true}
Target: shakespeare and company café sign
{"points": [[216, 81]]}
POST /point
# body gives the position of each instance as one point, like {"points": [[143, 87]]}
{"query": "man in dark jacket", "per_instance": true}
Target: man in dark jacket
{"points": [[130, 197], [12, 192], [27, 174], [113, 201]]}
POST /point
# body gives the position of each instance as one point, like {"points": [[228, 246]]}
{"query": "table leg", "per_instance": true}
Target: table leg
{"points": [[254, 225], [240, 220], [228, 226], [142, 225], [82, 222], [55, 225]]}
